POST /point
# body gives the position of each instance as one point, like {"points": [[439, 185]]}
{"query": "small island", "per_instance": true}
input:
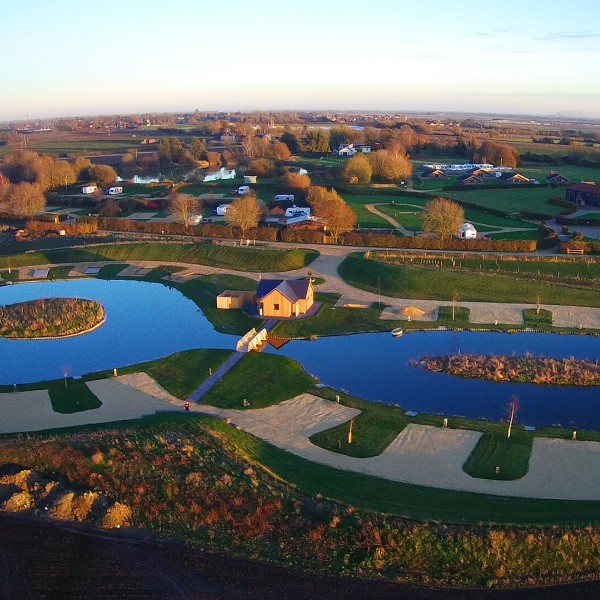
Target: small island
{"points": [[516, 369], [50, 318]]}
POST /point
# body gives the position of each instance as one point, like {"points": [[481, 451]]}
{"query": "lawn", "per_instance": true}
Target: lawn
{"points": [[534, 318], [71, 395], [181, 373], [263, 260], [494, 449], [511, 199], [260, 379], [434, 283]]}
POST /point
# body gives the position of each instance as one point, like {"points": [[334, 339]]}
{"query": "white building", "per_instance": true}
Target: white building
{"points": [[346, 150], [222, 173], [467, 232]]}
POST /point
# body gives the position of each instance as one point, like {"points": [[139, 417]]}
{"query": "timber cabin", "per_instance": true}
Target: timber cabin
{"points": [[281, 298]]}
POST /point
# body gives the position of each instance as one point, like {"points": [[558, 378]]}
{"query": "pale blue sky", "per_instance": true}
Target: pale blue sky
{"points": [[78, 57]]}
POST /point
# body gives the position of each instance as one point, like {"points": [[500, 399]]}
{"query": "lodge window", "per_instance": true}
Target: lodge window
{"points": [[275, 306]]}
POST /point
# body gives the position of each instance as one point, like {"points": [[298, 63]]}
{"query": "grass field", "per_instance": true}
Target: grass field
{"points": [[181, 373], [242, 259], [430, 282], [260, 379], [512, 200], [71, 395]]}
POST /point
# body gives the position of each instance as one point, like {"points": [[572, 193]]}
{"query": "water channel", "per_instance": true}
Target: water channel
{"points": [[145, 321]]}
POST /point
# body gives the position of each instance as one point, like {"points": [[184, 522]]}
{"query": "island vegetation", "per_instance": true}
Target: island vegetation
{"points": [[539, 370], [50, 317]]}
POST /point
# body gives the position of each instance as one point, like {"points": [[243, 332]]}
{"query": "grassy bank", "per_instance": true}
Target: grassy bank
{"points": [[260, 379], [257, 260], [432, 282]]}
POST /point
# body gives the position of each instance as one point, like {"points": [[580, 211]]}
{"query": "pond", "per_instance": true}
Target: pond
{"points": [[144, 321], [375, 367]]}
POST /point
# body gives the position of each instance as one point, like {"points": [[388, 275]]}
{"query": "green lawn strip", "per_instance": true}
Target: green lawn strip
{"points": [[461, 315], [111, 271], [529, 234], [59, 272], [331, 320], [410, 218], [73, 397], [373, 430], [434, 283], [414, 502], [533, 318], [180, 373], [494, 450], [367, 219], [12, 276], [262, 380], [157, 275], [242, 259]]}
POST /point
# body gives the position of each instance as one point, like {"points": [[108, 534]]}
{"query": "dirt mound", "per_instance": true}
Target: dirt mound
{"points": [[26, 490], [412, 312]]}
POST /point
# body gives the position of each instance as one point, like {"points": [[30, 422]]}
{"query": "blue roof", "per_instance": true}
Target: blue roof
{"points": [[292, 289]]}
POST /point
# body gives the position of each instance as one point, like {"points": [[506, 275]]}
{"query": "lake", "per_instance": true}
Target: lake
{"points": [[375, 367], [144, 321]]}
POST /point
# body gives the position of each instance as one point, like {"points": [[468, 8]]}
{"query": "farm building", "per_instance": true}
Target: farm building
{"points": [[230, 299], [556, 179], [585, 194], [467, 232], [90, 188], [222, 173], [250, 178], [284, 297]]}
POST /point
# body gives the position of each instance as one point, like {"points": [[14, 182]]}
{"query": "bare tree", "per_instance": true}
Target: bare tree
{"points": [[245, 212], [183, 206], [512, 408], [331, 208], [443, 217]]}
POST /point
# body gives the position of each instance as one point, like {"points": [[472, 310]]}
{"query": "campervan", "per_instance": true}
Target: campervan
{"points": [[296, 211], [284, 197], [113, 191], [222, 209], [243, 189]]}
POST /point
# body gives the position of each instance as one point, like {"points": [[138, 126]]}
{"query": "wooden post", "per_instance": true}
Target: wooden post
{"points": [[350, 432]]}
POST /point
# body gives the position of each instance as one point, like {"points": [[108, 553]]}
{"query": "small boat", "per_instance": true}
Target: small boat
{"points": [[398, 332]]}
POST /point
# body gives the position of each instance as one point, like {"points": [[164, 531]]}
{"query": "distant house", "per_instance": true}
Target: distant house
{"points": [[470, 179], [434, 174], [90, 188], [467, 232], [556, 179], [513, 178], [364, 148], [227, 138], [585, 194], [280, 298], [346, 150]]}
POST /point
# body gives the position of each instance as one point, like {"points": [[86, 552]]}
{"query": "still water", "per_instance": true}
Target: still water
{"points": [[375, 367], [144, 321]]}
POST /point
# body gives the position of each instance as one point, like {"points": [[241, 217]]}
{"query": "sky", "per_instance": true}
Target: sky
{"points": [[78, 57]]}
